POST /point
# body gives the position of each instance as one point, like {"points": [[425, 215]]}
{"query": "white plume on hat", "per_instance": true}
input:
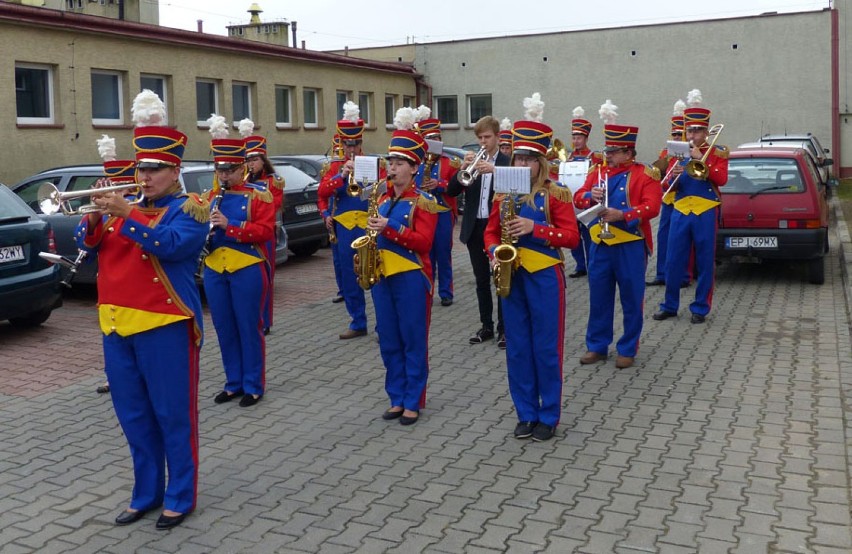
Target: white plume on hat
{"points": [[693, 97], [506, 124], [578, 112], [679, 106], [423, 112], [148, 109], [351, 111], [608, 112], [106, 148], [218, 126], [246, 127], [405, 118], [533, 107]]}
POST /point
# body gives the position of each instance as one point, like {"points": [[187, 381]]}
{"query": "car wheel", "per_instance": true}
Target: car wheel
{"points": [[31, 320], [306, 249], [816, 271]]}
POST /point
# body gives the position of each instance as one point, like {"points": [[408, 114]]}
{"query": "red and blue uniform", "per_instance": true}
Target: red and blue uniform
{"points": [[534, 310], [275, 185], [150, 313], [442, 247], [635, 190], [236, 283], [694, 221], [581, 252]]}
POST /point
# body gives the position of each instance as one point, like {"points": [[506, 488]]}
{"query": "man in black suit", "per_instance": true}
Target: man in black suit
{"points": [[478, 196]]}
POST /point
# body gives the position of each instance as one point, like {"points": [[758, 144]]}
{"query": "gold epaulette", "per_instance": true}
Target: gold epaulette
{"points": [[560, 192], [197, 207], [721, 151], [383, 163], [278, 182], [427, 202], [263, 195], [653, 172], [324, 169], [455, 162]]}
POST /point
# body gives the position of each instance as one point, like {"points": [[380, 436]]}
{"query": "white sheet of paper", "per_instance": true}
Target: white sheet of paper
{"points": [[435, 146], [512, 180], [366, 169], [573, 174], [678, 148]]}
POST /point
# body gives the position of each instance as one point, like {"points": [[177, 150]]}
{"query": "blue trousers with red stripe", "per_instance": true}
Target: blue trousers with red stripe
{"points": [[581, 253], [622, 265], [663, 227], [153, 377], [335, 262], [353, 294], [236, 307], [534, 319], [442, 254], [690, 232], [403, 309]]}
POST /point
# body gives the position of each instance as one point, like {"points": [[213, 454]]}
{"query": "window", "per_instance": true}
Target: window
{"points": [[478, 106], [241, 93], [390, 109], [206, 100], [107, 103], [310, 101], [364, 101], [447, 109], [407, 101], [283, 106], [156, 84], [342, 98], [34, 93]]}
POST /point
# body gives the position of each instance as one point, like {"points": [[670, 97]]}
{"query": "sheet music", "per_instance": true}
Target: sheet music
{"points": [[678, 149], [512, 180], [366, 169], [435, 146], [573, 174], [367, 191]]}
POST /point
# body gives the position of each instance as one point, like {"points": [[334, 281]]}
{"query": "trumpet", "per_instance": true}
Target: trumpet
{"points": [[468, 175], [51, 201], [697, 169], [605, 233], [353, 189]]}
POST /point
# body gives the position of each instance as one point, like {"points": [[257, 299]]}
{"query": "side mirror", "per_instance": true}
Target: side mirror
{"points": [[832, 182], [827, 162]]}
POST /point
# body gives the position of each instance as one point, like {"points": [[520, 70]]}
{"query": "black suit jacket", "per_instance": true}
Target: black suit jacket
{"points": [[471, 198]]}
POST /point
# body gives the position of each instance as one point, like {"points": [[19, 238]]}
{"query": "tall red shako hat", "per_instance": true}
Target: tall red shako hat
{"points": [[695, 116], [119, 172], [530, 135], [227, 152], [616, 136], [156, 145]]}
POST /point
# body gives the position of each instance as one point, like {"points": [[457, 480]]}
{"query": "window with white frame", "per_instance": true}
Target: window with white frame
{"points": [[365, 99], [310, 101], [478, 106], [447, 109], [107, 98], [390, 109], [34, 94], [342, 98], [241, 97], [156, 84], [206, 100], [283, 106]]}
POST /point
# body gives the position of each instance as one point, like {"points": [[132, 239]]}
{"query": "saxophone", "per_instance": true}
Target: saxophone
{"points": [[367, 261], [505, 254]]}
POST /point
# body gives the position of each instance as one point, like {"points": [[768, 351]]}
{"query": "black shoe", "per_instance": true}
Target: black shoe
{"points": [[337, 299], [167, 522], [127, 517], [696, 318], [226, 396], [578, 273], [406, 420], [663, 315], [103, 389], [446, 301], [501, 341], [524, 429], [542, 432], [249, 400], [265, 331], [655, 283], [482, 335], [389, 415]]}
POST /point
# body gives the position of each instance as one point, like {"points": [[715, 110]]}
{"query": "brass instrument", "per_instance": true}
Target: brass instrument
{"points": [[605, 233], [697, 169], [332, 235], [366, 259], [467, 176], [556, 154], [353, 189], [51, 201], [505, 253], [431, 159], [71, 265]]}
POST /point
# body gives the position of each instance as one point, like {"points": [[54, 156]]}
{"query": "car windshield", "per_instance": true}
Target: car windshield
{"points": [[294, 178], [763, 175]]}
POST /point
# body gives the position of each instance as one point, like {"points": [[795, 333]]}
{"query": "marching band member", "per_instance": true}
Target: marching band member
{"points": [[621, 240], [260, 170], [541, 223], [435, 183], [477, 203], [236, 279], [506, 137], [580, 151], [327, 210], [150, 314], [405, 224], [695, 216]]}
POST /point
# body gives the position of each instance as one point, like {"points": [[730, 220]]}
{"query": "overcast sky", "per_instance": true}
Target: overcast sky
{"points": [[328, 25]]}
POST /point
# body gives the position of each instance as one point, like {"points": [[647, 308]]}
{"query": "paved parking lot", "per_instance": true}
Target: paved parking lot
{"points": [[730, 436]]}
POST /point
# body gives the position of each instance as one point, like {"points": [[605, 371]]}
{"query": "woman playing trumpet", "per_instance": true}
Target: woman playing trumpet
{"points": [[535, 306]]}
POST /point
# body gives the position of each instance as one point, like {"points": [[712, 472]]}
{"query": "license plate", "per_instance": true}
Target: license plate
{"points": [[733, 243], [303, 209], [11, 253]]}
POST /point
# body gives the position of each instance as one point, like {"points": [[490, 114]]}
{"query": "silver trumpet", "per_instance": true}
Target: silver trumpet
{"points": [[51, 201], [468, 175], [605, 233]]}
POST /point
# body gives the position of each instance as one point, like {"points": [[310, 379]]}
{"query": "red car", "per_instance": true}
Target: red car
{"points": [[774, 207]]}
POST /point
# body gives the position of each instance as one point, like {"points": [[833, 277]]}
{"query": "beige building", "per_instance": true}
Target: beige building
{"points": [[140, 11], [76, 76]]}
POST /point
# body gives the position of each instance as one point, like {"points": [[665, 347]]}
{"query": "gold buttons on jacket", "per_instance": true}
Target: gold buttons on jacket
{"points": [[144, 256], [156, 243], [168, 301], [156, 279], [110, 229], [133, 229], [144, 235]]}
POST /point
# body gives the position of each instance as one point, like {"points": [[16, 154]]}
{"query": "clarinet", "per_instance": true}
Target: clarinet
{"points": [[214, 205]]}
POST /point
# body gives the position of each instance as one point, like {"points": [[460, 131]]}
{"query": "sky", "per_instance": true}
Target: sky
{"points": [[333, 25]]}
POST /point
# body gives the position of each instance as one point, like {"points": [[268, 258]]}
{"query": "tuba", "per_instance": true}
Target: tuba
{"points": [[366, 259], [505, 253]]}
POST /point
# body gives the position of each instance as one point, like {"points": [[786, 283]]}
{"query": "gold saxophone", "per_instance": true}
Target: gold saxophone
{"points": [[505, 254], [367, 261]]}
